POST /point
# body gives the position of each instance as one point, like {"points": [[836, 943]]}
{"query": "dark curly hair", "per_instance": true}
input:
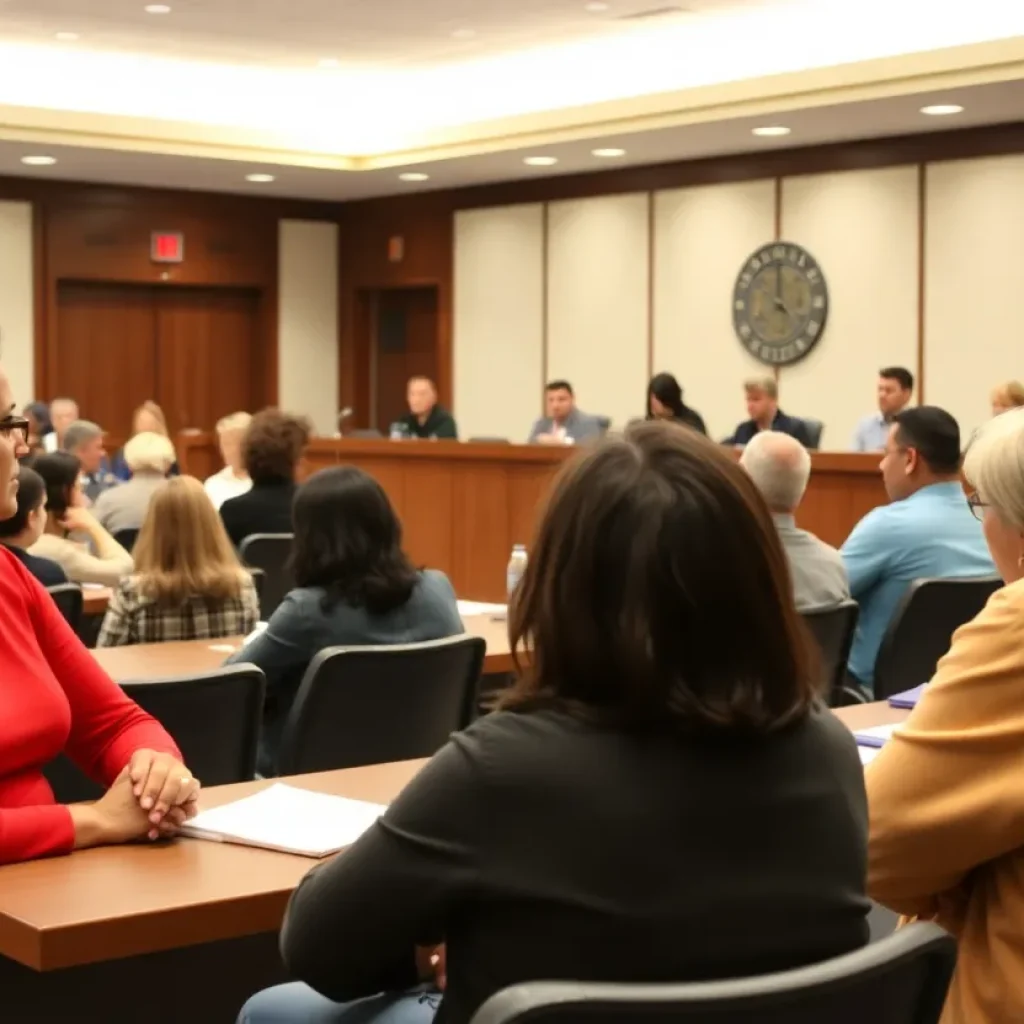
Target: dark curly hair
{"points": [[273, 445]]}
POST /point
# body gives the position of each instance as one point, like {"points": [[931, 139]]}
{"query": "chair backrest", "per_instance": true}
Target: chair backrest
{"points": [[68, 599], [921, 628], [815, 428], [127, 538], [259, 580], [901, 979], [833, 628], [271, 552], [370, 705], [604, 423]]}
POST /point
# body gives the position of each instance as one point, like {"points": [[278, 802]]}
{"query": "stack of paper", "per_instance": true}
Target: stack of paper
{"points": [[287, 819], [876, 735], [481, 608], [907, 699]]}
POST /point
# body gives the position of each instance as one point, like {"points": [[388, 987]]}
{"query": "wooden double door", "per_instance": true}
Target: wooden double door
{"points": [[199, 352]]}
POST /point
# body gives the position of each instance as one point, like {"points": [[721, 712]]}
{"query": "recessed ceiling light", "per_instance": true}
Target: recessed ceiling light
{"points": [[414, 176], [259, 179], [540, 161], [770, 130], [66, 37], [942, 109], [464, 33], [596, 6], [39, 161], [608, 153], [157, 9], [329, 62]]}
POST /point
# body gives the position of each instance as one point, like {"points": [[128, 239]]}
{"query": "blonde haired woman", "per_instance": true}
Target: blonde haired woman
{"points": [[233, 480], [945, 794], [1007, 396], [188, 583]]}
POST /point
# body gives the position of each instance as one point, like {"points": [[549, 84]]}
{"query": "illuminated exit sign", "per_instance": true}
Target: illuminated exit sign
{"points": [[167, 247]]}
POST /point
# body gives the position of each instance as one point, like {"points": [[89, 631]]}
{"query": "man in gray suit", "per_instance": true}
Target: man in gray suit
{"points": [[564, 423], [780, 467]]}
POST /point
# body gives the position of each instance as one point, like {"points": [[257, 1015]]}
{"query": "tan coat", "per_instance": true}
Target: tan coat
{"points": [[946, 802]]}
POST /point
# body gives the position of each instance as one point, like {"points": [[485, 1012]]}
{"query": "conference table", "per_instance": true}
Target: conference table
{"points": [[463, 505], [182, 930]]}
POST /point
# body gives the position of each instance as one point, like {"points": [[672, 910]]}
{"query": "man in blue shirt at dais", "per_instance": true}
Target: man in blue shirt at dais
{"points": [[927, 531]]}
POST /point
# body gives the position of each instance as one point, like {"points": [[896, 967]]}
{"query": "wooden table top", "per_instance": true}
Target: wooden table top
{"points": [[141, 662], [114, 902], [95, 600]]}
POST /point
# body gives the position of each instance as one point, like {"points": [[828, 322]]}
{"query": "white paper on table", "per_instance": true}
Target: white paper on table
{"points": [[481, 608], [287, 819], [881, 732], [92, 586], [868, 754]]}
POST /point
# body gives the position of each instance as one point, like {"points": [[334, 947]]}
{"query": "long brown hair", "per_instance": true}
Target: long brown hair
{"points": [[183, 550], [657, 595]]}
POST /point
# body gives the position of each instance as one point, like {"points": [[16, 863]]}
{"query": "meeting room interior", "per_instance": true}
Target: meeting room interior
{"points": [[511, 512]]}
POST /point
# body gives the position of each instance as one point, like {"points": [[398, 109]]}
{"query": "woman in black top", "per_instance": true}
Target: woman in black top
{"points": [[662, 797], [665, 402]]}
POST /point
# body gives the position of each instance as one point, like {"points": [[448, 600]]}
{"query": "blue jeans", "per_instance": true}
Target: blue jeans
{"points": [[297, 1003]]}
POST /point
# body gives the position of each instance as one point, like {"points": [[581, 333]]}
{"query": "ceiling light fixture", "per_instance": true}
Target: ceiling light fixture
{"points": [[260, 179], [39, 161], [414, 176], [66, 37], [157, 9], [329, 62], [769, 131], [540, 161], [942, 109], [608, 153]]}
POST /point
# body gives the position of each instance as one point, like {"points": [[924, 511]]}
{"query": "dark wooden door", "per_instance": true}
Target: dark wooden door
{"points": [[405, 345]]}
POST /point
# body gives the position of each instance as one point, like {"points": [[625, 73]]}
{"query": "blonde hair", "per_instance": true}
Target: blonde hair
{"points": [[183, 550], [994, 466], [149, 452], [765, 384], [156, 412], [236, 421], [1010, 394]]}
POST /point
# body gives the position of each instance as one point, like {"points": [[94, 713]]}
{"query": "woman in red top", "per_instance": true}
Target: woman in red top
{"points": [[54, 697]]}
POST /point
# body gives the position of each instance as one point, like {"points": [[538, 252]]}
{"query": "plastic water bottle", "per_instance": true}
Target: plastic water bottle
{"points": [[397, 432], [516, 568]]}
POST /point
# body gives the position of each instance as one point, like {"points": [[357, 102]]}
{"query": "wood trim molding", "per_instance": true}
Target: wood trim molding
{"points": [[922, 283]]}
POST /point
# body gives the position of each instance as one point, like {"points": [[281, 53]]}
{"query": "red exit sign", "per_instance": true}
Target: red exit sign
{"points": [[167, 247]]}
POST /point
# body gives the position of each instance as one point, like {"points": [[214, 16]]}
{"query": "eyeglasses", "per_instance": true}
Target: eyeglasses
{"points": [[976, 505], [14, 425]]}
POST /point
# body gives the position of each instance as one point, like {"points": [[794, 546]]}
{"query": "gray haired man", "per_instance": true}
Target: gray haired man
{"points": [[84, 440]]}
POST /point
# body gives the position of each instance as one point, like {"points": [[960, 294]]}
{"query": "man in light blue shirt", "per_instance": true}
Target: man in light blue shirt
{"points": [[927, 531], [895, 386]]}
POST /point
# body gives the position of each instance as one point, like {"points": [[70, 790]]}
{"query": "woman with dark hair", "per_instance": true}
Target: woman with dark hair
{"points": [[354, 586], [665, 402], [662, 798], [66, 513], [39, 425], [20, 532]]}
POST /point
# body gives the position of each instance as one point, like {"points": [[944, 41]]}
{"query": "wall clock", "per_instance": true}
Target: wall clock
{"points": [[780, 304]]}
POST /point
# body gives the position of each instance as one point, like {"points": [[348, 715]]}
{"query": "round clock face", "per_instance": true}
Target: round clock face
{"points": [[780, 304]]}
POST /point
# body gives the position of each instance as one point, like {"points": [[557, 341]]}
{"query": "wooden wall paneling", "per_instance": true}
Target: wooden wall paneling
{"points": [[428, 524], [481, 511]]}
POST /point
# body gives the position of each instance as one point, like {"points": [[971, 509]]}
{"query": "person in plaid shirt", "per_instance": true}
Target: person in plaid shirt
{"points": [[188, 583]]}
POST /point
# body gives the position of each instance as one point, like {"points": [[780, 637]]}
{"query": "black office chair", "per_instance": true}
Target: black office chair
{"points": [[815, 428], [921, 628], [68, 599], [259, 581], [901, 979], [833, 628], [604, 424], [214, 717], [271, 552], [127, 538], [370, 705]]}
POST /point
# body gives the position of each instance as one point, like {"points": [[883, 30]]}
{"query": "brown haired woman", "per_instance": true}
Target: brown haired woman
{"points": [[188, 583], [662, 798]]}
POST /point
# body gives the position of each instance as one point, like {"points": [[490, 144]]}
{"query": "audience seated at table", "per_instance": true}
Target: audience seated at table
{"points": [[1007, 396], [272, 448], [563, 421], [26, 526], [233, 479], [947, 806], [665, 402], [55, 698], [780, 466], [66, 513], [926, 531], [148, 418], [763, 409], [63, 412], [655, 802], [354, 586], [84, 440], [188, 583], [149, 457]]}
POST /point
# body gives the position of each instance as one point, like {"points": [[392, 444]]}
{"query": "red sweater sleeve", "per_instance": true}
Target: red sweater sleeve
{"points": [[107, 727]]}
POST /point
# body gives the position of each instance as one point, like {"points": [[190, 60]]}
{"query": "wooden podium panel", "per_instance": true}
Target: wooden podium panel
{"points": [[463, 505]]}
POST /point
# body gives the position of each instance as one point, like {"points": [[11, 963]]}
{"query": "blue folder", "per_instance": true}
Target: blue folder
{"points": [[908, 698]]}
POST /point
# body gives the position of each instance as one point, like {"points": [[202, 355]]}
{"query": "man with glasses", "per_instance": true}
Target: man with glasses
{"points": [[928, 530]]}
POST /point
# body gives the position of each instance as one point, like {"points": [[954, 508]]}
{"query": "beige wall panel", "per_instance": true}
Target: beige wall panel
{"points": [[702, 237], [598, 299], [499, 320], [308, 321], [974, 283], [862, 228], [17, 316]]}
